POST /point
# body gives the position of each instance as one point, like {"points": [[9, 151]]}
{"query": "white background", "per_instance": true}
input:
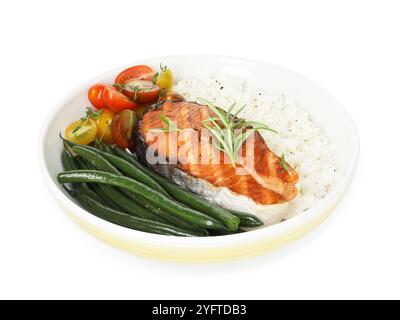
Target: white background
{"points": [[349, 47]]}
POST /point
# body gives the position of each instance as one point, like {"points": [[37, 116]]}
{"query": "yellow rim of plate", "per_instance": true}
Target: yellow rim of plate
{"points": [[199, 255]]}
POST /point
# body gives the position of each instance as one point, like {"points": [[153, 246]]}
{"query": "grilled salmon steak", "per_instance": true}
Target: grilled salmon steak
{"points": [[187, 146]]}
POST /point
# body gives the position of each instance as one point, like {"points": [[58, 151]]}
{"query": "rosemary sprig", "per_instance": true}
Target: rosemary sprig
{"points": [[136, 90], [157, 74], [163, 68], [162, 93], [230, 131], [155, 77], [119, 86], [93, 114], [77, 128], [283, 163], [169, 125], [90, 114]]}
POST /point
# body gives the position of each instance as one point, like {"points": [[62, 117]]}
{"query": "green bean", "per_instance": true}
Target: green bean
{"points": [[69, 163], [162, 213], [247, 220], [124, 154], [95, 159], [130, 170], [184, 196], [102, 191], [126, 220], [129, 206], [88, 159], [106, 148], [92, 176], [113, 197], [137, 207]]}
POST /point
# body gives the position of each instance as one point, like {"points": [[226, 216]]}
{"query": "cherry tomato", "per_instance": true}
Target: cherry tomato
{"points": [[95, 95], [122, 128], [140, 72], [171, 96], [141, 91], [81, 132], [103, 123], [165, 78], [116, 101]]}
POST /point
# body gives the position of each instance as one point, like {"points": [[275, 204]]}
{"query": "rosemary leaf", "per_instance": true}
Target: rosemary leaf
{"points": [[283, 163], [76, 129], [170, 126], [240, 139], [258, 125], [239, 111], [231, 108]]}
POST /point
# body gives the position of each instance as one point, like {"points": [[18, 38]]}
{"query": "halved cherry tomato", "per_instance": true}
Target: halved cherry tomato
{"points": [[171, 96], [141, 91], [81, 131], [116, 101], [103, 123], [165, 78], [140, 72], [95, 95], [122, 128]]}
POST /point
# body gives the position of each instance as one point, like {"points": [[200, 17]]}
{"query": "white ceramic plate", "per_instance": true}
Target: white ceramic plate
{"points": [[324, 109]]}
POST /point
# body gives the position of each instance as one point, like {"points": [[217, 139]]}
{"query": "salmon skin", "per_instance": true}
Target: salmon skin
{"points": [[172, 140]]}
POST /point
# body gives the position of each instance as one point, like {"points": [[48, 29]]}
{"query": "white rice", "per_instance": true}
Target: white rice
{"points": [[302, 142]]}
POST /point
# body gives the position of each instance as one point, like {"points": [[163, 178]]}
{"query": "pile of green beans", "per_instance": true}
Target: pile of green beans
{"points": [[111, 184], [245, 219]]}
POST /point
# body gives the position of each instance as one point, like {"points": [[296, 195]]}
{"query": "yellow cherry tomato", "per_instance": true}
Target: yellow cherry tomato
{"points": [[103, 123], [81, 131], [165, 78]]}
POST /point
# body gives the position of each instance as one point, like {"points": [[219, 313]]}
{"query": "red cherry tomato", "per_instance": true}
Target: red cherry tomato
{"points": [[140, 72], [116, 101], [141, 91], [95, 95], [122, 128]]}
